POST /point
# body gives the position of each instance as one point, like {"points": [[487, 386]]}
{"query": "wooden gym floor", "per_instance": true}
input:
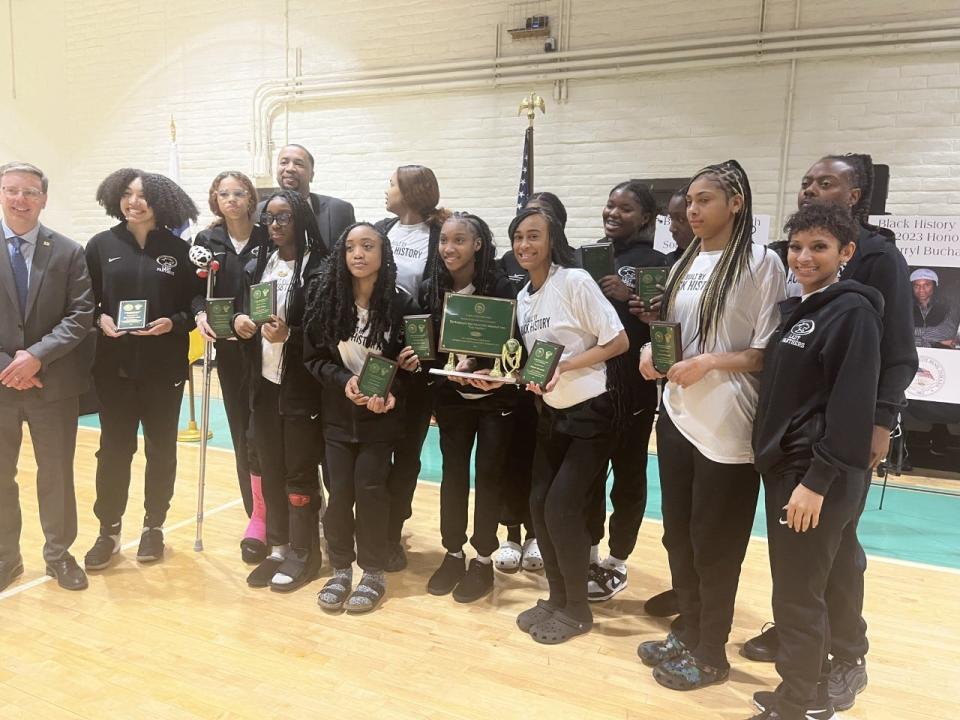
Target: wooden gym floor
{"points": [[186, 638]]}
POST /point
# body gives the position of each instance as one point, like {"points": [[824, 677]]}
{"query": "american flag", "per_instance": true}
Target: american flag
{"points": [[526, 171]]}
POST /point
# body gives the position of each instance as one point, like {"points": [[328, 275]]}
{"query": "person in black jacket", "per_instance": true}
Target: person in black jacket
{"points": [[629, 221], [355, 309], [680, 228], [234, 239], [846, 181], [139, 374], [285, 397], [469, 411], [812, 443]]}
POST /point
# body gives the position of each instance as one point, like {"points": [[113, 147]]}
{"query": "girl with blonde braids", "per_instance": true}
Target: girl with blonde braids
{"points": [[723, 291]]}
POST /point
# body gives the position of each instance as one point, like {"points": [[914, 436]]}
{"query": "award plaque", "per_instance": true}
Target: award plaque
{"points": [[132, 315], [376, 376], [476, 325], [418, 331], [665, 345], [597, 259], [263, 301], [542, 363], [648, 278], [220, 316]]}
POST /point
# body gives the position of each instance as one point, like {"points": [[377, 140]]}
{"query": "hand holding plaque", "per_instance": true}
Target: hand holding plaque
{"points": [[263, 302], [650, 280], [220, 317], [479, 326], [665, 345], [542, 363], [376, 376], [418, 331], [597, 259], [132, 315]]}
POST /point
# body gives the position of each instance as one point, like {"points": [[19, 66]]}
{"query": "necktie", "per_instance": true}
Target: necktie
{"points": [[21, 275]]}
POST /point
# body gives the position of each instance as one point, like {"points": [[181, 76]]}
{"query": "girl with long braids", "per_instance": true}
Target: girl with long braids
{"points": [[412, 196], [234, 239], [723, 292], [139, 374], [284, 396], [355, 310], [563, 304], [468, 412]]}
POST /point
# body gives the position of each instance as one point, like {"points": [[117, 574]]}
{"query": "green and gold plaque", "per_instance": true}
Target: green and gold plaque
{"points": [[648, 280], [541, 363], [665, 345], [476, 325], [376, 376], [132, 315], [220, 316], [418, 331], [597, 259], [263, 301]]}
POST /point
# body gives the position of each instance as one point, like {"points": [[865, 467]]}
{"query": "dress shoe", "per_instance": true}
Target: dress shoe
{"points": [[69, 575], [10, 570]]}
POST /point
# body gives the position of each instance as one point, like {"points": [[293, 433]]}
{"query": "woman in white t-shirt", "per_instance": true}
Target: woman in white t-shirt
{"points": [[724, 293], [356, 310], [285, 398], [562, 304], [413, 196]]}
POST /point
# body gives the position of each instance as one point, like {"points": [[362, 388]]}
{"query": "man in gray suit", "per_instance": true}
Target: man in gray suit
{"points": [[295, 172], [45, 358]]}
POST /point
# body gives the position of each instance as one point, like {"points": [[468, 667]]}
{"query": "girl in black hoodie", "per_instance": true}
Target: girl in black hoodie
{"points": [[356, 310], [285, 398], [812, 443]]}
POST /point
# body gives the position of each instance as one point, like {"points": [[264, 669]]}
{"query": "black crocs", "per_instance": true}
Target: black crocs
{"points": [[559, 628]]}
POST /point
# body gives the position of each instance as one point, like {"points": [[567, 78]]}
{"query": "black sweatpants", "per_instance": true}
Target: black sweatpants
{"points": [[358, 479], [515, 487], [289, 450], [572, 445], [629, 493], [235, 390], [125, 404], [802, 565], [708, 510], [406, 457], [460, 424]]}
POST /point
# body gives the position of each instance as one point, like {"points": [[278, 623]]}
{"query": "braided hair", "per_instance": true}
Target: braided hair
{"points": [[306, 235], [331, 314], [560, 251], [862, 177], [734, 260], [439, 280], [171, 206]]}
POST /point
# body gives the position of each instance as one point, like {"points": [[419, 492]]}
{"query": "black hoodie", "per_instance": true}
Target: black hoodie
{"points": [[818, 390], [228, 281]]}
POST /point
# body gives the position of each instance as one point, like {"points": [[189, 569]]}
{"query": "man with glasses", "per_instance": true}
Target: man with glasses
{"points": [[45, 357], [295, 168]]}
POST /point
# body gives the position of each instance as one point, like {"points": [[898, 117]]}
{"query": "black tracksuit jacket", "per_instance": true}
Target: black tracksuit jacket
{"points": [[818, 389], [228, 281]]}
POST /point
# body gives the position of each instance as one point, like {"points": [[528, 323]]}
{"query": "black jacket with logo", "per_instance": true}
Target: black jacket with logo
{"points": [[818, 388], [162, 274], [228, 281]]}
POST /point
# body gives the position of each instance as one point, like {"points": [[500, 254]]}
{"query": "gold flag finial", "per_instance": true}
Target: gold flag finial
{"points": [[531, 104], [173, 130]]}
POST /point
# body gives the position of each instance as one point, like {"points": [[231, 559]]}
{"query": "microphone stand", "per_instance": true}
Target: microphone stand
{"points": [[210, 271]]}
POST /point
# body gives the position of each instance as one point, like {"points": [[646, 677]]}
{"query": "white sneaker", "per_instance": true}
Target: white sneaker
{"points": [[532, 559], [508, 557], [605, 582]]}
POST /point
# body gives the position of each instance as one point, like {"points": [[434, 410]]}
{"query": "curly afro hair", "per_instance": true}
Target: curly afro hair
{"points": [[171, 206], [834, 220]]}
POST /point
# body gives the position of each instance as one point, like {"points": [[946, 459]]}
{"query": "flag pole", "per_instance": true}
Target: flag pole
{"points": [[530, 104]]}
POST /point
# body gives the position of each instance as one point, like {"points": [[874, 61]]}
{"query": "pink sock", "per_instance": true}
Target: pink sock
{"points": [[257, 527]]}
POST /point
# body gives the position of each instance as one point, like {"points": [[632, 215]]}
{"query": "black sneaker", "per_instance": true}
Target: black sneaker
{"points": [[446, 577], [847, 680], [476, 583], [604, 582], [397, 560], [772, 713], [101, 554], [763, 647], [766, 702], [151, 545], [664, 604]]}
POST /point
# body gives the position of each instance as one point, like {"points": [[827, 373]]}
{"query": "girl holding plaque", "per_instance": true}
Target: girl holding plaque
{"points": [[284, 397], [564, 306], [469, 412], [234, 239], [139, 373], [413, 196], [355, 311], [723, 292]]}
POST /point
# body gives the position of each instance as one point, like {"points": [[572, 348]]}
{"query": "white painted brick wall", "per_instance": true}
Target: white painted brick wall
{"points": [[99, 79]]}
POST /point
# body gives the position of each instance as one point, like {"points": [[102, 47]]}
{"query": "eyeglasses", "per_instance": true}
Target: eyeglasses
{"points": [[283, 219], [28, 193], [236, 194]]}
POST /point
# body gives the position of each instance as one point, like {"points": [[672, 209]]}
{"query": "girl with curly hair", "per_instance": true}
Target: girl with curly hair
{"points": [[284, 397], [139, 373], [356, 310]]}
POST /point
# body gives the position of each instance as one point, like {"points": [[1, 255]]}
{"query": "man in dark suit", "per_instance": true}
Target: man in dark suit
{"points": [[295, 172], [45, 358]]}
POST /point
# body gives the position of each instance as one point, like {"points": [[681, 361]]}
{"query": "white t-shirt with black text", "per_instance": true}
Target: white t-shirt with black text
{"points": [[716, 414], [354, 351], [272, 353], [569, 309], [410, 244]]}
